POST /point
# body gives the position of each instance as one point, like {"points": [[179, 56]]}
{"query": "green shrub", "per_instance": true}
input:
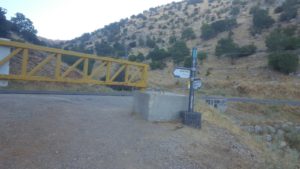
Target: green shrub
{"points": [[289, 10], [235, 11], [227, 47], [150, 42], [293, 139], [4, 28], [207, 32], [247, 50], [157, 65], [158, 54], [191, 2], [179, 51], [188, 34], [282, 39], [261, 19], [200, 58], [137, 58], [211, 30], [284, 62]]}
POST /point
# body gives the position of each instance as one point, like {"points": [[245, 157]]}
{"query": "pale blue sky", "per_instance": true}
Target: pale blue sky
{"points": [[67, 19]]}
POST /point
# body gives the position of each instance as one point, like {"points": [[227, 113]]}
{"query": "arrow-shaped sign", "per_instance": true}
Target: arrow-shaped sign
{"points": [[182, 72]]}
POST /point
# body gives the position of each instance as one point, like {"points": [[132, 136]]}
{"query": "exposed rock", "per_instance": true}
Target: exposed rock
{"points": [[282, 144], [249, 129], [268, 138], [258, 129], [270, 129]]}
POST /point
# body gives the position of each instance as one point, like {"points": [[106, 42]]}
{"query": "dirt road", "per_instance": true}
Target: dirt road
{"points": [[79, 132]]}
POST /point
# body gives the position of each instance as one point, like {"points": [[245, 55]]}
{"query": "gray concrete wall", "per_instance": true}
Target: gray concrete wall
{"points": [[4, 69], [158, 106]]}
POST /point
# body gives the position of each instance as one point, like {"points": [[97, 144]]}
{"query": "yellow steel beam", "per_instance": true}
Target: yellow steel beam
{"points": [[71, 68], [7, 58], [24, 62], [40, 65], [87, 78], [65, 52], [75, 81], [85, 68], [117, 73], [58, 67], [108, 69]]}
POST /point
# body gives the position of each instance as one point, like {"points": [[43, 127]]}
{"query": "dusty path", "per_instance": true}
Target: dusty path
{"points": [[78, 132]]}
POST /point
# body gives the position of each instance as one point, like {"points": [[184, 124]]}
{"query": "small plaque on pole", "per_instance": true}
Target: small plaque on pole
{"points": [[182, 72], [197, 84]]}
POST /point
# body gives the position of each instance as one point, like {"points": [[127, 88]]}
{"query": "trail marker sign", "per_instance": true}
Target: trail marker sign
{"points": [[182, 72], [197, 84]]}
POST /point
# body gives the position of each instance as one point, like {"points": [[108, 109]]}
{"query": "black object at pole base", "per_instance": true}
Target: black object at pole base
{"points": [[192, 119]]}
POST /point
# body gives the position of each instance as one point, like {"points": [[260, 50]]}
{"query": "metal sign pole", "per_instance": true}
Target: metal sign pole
{"points": [[192, 77]]}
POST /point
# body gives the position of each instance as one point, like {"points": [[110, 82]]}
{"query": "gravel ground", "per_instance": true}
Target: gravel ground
{"points": [[90, 132]]}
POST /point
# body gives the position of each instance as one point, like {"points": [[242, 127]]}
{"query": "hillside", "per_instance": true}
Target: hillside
{"points": [[163, 26]]}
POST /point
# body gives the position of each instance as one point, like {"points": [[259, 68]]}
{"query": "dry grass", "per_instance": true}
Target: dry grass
{"points": [[271, 157]]}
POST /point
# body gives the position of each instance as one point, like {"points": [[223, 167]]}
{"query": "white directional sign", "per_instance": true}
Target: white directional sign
{"points": [[197, 84], [183, 73]]}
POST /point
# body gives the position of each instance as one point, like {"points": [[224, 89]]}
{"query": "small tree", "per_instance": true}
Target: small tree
{"points": [[227, 47], [284, 62], [289, 10], [24, 27], [261, 19], [282, 39], [207, 32], [188, 34], [150, 42], [179, 51], [4, 28], [158, 54]]}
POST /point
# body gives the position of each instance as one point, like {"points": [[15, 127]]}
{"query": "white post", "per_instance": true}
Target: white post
{"points": [[4, 69]]}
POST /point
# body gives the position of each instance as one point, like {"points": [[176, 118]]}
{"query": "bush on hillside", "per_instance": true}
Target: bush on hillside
{"points": [[157, 65], [191, 2], [150, 42], [227, 47], [158, 54], [247, 50], [283, 39], [235, 11], [284, 62], [179, 51], [289, 10], [137, 58], [207, 32], [24, 27], [200, 58], [188, 34], [261, 19], [103, 49], [211, 30], [4, 28]]}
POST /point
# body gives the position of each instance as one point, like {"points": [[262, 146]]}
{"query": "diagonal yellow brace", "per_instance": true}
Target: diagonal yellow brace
{"points": [[97, 70], [70, 69], [58, 66], [24, 62], [7, 58], [118, 72], [40, 65]]}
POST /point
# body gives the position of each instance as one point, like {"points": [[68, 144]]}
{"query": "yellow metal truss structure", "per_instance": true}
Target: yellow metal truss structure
{"points": [[88, 69]]}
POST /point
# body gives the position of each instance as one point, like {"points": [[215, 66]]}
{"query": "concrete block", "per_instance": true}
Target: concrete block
{"points": [[4, 69], [158, 106]]}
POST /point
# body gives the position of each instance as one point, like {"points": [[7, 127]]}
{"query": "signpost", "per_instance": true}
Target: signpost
{"points": [[190, 117]]}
